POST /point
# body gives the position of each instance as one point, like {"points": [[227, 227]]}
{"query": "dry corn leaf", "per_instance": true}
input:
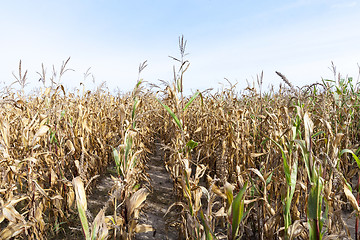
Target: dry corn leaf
{"points": [[197, 193], [47, 92], [80, 192], [136, 200], [217, 191], [12, 230], [255, 155], [41, 132], [250, 201], [4, 129], [70, 146], [53, 177], [70, 197], [143, 228], [40, 189], [198, 130], [39, 217], [11, 214], [295, 229], [269, 208], [99, 226], [351, 198], [309, 126], [2, 217], [220, 212], [258, 173]]}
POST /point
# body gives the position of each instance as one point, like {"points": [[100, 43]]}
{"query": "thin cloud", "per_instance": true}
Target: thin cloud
{"points": [[344, 4]]}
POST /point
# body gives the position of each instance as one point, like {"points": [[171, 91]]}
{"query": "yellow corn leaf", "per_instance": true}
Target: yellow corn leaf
{"points": [[119, 221]]}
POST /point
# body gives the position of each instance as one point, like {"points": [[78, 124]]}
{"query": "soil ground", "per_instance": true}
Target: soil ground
{"points": [[158, 201]]}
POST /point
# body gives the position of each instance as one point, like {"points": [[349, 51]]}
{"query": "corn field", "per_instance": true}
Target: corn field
{"points": [[244, 164]]}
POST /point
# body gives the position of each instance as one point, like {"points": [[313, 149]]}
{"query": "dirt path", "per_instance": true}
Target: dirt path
{"points": [[156, 204], [158, 201]]}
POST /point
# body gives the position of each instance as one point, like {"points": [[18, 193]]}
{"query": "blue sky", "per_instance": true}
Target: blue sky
{"points": [[226, 39]]}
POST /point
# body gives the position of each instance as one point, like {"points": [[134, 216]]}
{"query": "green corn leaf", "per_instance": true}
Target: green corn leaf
{"points": [[177, 121], [117, 162], [179, 85], [116, 157], [268, 179], [84, 222], [312, 203], [317, 134], [286, 165], [314, 210], [138, 84], [312, 230], [81, 204], [208, 233], [127, 152], [191, 100], [305, 153], [315, 200], [229, 192], [292, 190], [353, 154], [237, 211], [191, 144], [201, 99], [134, 109], [93, 232]]}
